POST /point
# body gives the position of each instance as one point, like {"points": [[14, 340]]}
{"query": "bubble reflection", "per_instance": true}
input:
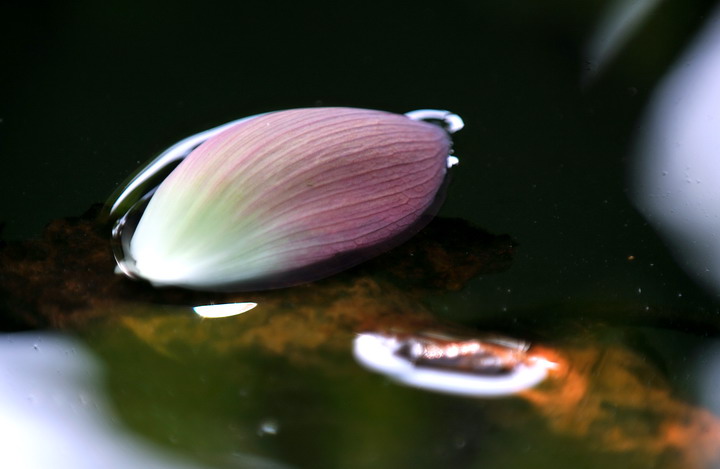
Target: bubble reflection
{"points": [[470, 367]]}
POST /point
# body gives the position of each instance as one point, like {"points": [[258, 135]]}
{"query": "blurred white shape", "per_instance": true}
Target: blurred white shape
{"points": [[676, 178], [53, 413], [619, 21], [379, 353], [223, 310]]}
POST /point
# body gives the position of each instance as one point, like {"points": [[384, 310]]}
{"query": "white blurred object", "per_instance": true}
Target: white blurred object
{"points": [[676, 178], [53, 413]]}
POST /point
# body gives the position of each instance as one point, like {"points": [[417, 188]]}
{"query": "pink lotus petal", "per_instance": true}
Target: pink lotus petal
{"points": [[306, 190]]}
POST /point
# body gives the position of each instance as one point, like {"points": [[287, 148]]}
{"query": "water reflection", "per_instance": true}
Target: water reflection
{"points": [[676, 181], [623, 403], [283, 385], [53, 412], [224, 310], [707, 372], [488, 367]]}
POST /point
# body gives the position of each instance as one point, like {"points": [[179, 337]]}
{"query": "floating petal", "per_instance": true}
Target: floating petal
{"points": [[290, 196]]}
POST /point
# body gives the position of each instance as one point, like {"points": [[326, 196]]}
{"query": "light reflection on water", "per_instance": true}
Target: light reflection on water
{"points": [[482, 371], [215, 311], [153, 386], [54, 412]]}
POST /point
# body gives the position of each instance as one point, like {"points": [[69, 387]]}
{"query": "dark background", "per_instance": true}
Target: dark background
{"points": [[90, 90]]}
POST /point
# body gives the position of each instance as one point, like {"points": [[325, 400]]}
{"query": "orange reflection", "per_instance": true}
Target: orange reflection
{"points": [[617, 400]]}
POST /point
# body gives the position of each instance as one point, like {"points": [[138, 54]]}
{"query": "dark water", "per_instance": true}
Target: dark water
{"points": [[93, 89]]}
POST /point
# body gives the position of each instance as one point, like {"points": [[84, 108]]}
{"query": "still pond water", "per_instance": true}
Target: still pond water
{"points": [[581, 223]]}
